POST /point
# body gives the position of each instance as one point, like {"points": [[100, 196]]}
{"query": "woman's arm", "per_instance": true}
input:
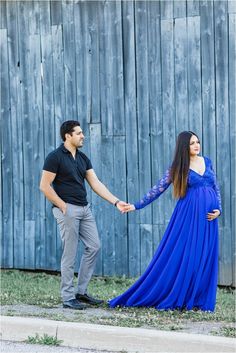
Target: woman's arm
{"points": [[153, 194]]}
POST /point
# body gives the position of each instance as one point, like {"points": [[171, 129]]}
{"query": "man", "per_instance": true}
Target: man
{"points": [[66, 168]]}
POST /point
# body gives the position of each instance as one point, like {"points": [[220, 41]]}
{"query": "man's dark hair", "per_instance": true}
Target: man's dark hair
{"points": [[68, 127]]}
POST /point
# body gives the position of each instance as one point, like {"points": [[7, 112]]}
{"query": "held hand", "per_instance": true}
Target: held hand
{"points": [[120, 205], [213, 215], [128, 208]]}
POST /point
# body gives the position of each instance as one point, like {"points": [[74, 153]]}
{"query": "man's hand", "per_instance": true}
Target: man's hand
{"points": [[63, 208], [213, 215], [125, 207], [45, 186], [120, 205]]}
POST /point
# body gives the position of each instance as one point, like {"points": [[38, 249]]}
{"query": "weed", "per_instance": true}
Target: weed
{"points": [[45, 339]]}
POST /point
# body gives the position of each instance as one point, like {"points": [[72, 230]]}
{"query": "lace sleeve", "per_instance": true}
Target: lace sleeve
{"points": [[217, 189], [155, 192]]}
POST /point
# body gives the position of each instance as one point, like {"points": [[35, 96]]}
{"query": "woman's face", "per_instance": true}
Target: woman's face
{"points": [[194, 146]]}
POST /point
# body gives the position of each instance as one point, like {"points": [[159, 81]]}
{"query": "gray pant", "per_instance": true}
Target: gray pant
{"points": [[77, 223]]}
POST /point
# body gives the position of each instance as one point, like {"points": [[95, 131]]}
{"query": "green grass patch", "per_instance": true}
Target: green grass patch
{"points": [[45, 339], [226, 332], [29, 288]]}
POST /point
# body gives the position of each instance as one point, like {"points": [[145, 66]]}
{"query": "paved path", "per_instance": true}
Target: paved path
{"points": [[18, 347], [113, 338]]}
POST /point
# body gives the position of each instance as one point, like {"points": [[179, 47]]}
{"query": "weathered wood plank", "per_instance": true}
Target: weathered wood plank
{"points": [[167, 9], [223, 133], [56, 12], [155, 103], [82, 67], [146, 246], [1, 216], [208, 80], [134, 252], [131, 135], [120, 220], [49, 143], [106, 68], [3, 15], [96, 201], [143, 106], [107, 222], [30, 244], [69, 60], [231, 6], [194, 75], [45, 17], [92, 36], [7, 192], [16, 132], [168, 103], [181, 79], [180, 8], [158, 233], [58, 81], [26, 65], [59, 106], [192, 8], [118, 75], [32, 11], [232, 115], [32, 173]]}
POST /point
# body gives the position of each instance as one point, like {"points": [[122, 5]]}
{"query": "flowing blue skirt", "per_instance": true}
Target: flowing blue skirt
{"points": [[184, 268]]}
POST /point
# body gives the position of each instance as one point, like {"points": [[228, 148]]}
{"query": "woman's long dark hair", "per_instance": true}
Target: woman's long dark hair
{"points": [[180, 165]]}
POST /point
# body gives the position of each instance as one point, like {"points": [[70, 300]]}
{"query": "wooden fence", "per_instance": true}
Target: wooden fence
{"points": [[135, 73]]}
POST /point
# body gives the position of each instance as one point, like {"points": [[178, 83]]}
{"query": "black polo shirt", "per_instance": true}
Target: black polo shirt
{"points": [[70, 173]]}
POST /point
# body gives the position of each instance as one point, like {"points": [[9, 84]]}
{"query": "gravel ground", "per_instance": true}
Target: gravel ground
{"points": [[16, 347]]}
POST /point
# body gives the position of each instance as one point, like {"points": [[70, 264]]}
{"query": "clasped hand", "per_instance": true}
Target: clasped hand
{"points": [[213, 215], [124, 207]]}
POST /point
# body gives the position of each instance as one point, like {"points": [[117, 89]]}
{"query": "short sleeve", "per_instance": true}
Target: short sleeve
{"points": [[86, 160], [51, 163], [88, 164]]}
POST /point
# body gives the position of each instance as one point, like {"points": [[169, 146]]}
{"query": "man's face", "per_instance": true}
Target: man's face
{"points": [[77, 137]]}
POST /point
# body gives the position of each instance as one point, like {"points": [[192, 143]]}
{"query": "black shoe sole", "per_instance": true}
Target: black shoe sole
{"points": [[88, 302], [71, 307], [94, 304]]}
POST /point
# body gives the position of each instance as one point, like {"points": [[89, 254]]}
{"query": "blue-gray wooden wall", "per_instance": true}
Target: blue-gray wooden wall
{"points": [[135, 74]]}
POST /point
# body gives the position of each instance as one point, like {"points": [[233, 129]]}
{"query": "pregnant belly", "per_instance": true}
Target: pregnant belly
{"points": [[211, 199], [204, 198]]}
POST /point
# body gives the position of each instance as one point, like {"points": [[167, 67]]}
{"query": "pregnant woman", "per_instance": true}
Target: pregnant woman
{"points": [[183, 271]]}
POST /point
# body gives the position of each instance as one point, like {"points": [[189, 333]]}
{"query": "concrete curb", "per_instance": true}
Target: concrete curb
{"points": [[113, 338]]}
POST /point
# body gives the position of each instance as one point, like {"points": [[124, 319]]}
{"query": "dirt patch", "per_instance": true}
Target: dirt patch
{"points": [[93, 315]]}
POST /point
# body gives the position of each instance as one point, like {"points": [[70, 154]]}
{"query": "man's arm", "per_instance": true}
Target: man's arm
{"points": [[101, 189], [45, 186]]}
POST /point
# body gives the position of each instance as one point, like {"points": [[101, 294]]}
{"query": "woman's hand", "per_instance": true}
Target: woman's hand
{"points": [[213, 215], [128, 208]]}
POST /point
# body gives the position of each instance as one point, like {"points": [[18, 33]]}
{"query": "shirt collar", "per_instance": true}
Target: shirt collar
{"points": [[62, 147]]}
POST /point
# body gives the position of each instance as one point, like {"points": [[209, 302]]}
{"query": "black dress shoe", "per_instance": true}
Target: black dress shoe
{"points": [[87, 299], [74, 304]]}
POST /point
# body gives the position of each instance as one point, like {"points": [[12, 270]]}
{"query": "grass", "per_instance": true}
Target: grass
{"points": [[45, 339], [41, 289]]}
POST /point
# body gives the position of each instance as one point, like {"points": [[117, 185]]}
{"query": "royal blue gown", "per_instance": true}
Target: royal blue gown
{"points": [[183, 271]]}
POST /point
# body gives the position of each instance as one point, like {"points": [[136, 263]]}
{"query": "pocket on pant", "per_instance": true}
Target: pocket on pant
{"points": [[57, 213]]}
